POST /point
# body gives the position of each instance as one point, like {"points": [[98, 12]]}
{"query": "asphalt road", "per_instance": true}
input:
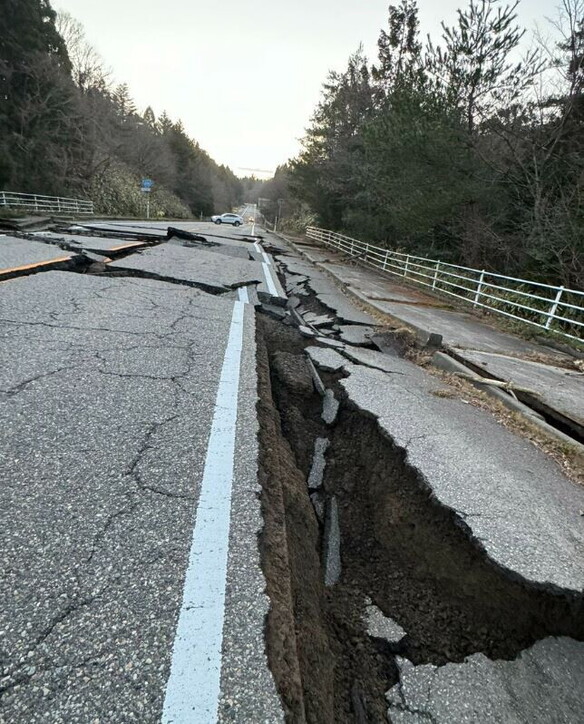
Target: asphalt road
{"points": [[513, 503], [19, 255], [544, 684], [131, 587], [506, 356], [514, 500]]}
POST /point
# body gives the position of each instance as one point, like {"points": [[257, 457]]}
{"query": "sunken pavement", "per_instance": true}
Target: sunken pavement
{"points": [[230, 493]]}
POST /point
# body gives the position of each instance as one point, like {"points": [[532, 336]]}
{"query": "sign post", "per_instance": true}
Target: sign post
{"points": [[146, 188]]}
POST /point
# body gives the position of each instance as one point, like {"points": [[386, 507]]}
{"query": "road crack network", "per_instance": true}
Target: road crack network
{"points": [[133, 472], [21, 674]]}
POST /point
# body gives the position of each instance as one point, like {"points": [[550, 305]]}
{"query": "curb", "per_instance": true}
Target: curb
{"points": [[425, 337], [442, 360]]}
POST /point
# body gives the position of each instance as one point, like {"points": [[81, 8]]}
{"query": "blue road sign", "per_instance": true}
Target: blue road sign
{"points": [[147, 184]]}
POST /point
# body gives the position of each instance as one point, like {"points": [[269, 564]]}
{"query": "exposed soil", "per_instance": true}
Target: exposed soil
{"points": [[413, 557], [326, 667], [419, 563]]}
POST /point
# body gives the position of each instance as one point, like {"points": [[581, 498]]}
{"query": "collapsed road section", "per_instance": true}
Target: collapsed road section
{"points": [[414, 549], [542, 380], [223, 501]]}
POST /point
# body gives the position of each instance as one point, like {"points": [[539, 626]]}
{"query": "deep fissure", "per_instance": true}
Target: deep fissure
{"points": [[400, 548]]}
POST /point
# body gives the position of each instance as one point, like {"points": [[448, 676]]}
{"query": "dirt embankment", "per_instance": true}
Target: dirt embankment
{"points": [[414, 558]]}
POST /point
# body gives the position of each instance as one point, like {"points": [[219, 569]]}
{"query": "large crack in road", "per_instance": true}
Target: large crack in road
{"points": [[378, 589], [312, 633], [407, 559]]}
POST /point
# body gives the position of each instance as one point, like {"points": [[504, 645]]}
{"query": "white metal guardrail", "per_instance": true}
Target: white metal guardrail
{"points": [[47, 204], [556, 309]]}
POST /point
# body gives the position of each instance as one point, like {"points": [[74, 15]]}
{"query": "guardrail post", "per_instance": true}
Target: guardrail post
{"points": [[2, 198], [436, 271], [479, 289], [552, 313], [460, 288], [36, 206]]}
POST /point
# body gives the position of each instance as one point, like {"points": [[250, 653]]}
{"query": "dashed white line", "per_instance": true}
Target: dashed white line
{"points": [[265, 257], [193, 688], [268, 270], [269, 280]]}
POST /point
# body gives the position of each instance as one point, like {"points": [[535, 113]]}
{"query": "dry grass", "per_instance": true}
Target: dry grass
{"points": [[561, 360], [568, 457], [446, 393]]}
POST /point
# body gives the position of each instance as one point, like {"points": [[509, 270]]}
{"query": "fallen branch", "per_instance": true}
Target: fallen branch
{"points": [[507, 386]]}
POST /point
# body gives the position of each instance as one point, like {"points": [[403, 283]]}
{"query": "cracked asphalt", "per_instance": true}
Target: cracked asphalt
{"points": [[107, 392], [16, 254], [512, 501], [202, 267], [543, 369], [553, 666]]}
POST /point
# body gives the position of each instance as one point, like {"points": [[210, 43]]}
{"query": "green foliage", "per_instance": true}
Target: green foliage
{"points": [[400, 59], [473, 67], [27, 27], [37, 94], [323, 175], [415, 171], [65, 130], [448, 151], [115, 190]]}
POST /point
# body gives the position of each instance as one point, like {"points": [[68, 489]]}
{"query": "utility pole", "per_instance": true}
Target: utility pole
{"points": [[255, 214], [279, 214]]}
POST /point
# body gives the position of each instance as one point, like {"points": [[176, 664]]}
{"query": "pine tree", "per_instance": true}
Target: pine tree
{"points": [[150, 118], [323, 174], [28, 27], [399, 48]]}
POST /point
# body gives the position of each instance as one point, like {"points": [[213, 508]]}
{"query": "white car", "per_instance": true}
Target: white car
{"points": [[228, 219]]}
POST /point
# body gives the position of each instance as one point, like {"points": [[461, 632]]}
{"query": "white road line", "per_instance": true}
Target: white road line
{"points": [[268, 270], [265, 257], [269, 281], [193, 688], [243, 295]]}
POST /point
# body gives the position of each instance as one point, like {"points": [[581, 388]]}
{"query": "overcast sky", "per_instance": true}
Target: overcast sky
{"points": [[244, 77]]}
